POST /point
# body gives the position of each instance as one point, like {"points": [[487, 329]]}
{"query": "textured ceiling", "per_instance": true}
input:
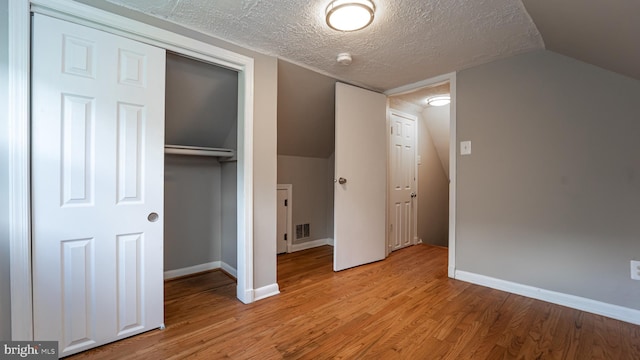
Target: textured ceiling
{"points": [[409, 40], [418, 97]]}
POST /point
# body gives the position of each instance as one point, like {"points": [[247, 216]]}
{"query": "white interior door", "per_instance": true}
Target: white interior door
{"points": [[361, 173], [402, 190], [97, 185], [282, 227]]}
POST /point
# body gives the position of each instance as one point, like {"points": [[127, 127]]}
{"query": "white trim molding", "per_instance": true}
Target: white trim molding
{"points": [[19, 27], [575, 302], [229, 269], [453, 173], [311, 244], [266, 291], [453, 153], [172, 274]]}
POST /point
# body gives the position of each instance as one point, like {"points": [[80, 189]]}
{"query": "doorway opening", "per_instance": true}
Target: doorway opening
{"points": [[430, 199], [200, 167]]}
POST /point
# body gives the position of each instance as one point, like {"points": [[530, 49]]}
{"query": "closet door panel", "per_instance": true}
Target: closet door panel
{"points": [[131, 119], [97, 185]]}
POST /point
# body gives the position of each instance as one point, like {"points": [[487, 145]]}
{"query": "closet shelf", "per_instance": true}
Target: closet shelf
{"points": [[199, 151]]}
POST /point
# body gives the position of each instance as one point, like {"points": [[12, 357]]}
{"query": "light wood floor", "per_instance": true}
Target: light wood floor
{"points": [[401, 308]]}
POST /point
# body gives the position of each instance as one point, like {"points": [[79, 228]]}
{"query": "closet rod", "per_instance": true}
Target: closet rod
{"points": [[198, 150]]}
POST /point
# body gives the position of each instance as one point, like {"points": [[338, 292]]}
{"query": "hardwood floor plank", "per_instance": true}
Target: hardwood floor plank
{"points": [[404, 307]]}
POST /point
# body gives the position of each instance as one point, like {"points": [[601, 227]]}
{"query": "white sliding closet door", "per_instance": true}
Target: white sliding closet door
{"points": [[97, 185]]}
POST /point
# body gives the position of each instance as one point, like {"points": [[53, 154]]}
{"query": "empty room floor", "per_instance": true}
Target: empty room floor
{"points": [[404, 307]]}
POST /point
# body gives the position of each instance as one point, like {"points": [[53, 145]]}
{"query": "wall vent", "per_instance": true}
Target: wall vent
{"points": [[302, 231]]}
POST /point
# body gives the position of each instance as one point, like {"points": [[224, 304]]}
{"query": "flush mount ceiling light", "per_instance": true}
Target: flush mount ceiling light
{"points": [[439, 100], [350, 15]]}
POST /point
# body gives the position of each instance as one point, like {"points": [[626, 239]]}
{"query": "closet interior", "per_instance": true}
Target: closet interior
{"points": [[200, 189]]}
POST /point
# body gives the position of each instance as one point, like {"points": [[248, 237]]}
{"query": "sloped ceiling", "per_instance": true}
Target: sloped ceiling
{"points": [[412, 40], [602, 33], [306, 102], [409, 40]]}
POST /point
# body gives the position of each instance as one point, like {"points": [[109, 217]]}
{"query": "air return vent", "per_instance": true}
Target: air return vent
{"points": [[302, 231]]}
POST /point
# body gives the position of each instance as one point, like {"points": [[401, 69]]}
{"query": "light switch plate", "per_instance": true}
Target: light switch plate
{"points": [[635, 270], [465, 148]]}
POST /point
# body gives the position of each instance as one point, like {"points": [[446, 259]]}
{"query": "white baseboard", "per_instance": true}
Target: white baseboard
{"points": [[245, 295], [226, 267], [171, 274], [265, 292], [451, 272], [311, 244], [576, 302]]}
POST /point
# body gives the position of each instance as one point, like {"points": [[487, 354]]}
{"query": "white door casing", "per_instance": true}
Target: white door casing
{"points": [[360, 160], [451, 78], [97, 162], [403, 178]]}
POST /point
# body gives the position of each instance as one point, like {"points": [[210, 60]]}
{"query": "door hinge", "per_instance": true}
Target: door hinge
{"points": [[392, 130], [285, 236], [286, 202]]}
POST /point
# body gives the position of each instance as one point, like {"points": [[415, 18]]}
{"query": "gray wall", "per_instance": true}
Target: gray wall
{"points": [[193, 211], [309, 177], [438, 120], [433, 190], [331, 170], [5, 288], [549, 196], [229, 213], [201, 103], [433, 184]]}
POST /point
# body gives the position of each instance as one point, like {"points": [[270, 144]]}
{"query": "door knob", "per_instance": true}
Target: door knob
{"points": [[342, 181], [413, 194], [153, 217]]}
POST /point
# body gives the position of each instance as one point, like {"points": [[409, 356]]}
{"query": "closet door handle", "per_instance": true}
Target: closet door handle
{"points": [[153, 217]]}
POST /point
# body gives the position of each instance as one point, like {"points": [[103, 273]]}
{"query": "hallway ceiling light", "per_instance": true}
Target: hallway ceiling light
{"points": [[350, 15], [439, 100]]}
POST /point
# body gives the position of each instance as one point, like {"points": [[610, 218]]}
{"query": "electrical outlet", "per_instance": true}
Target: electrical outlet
{"points": [[635, 270]]}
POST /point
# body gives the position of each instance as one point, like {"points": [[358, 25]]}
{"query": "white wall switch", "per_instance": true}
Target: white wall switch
{"points": [[465, 147], [635, 269]]}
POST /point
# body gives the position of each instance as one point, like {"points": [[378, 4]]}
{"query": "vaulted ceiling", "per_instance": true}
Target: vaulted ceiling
{"points": [[409, 41], [602, 33], [412, 40]]}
